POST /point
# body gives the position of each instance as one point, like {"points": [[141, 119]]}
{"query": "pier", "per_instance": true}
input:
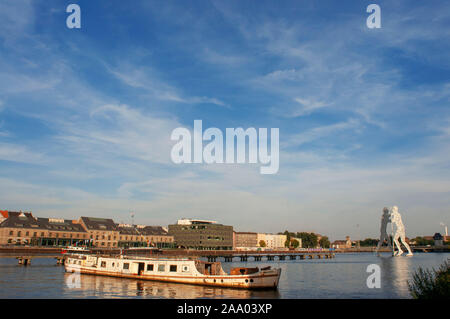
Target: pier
{"points": [[253, 255]]}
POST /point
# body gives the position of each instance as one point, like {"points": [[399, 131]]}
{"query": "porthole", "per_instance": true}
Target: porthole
{"points": [[246, 280], [251, 280]]}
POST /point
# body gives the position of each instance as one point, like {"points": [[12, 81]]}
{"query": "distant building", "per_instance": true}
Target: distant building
{"points": [[245, 240], [272, 241], [143, 236], [102, 232], [347, 243], [438, 239], [22, 228], [202, 234]]}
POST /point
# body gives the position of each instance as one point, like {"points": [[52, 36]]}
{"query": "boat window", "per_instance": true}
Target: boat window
{"points": [[126, 266], [173, 268], [185, 268], [113, 264], [150, 267], [161, 267], [103, 264]]}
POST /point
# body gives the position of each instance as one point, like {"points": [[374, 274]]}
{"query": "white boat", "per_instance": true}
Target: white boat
{"points": [[76, 248], [177, 270]]}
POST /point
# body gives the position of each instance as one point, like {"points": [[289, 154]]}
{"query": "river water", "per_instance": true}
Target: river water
{"points": [[342, 277]]}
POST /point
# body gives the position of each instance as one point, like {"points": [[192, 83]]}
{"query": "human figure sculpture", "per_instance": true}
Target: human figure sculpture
{"points": [[399, 232], [385, 219]]}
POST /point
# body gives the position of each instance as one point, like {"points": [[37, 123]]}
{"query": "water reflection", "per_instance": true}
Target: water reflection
{"points": [[341, 277], [395, 272], [110, 287]]}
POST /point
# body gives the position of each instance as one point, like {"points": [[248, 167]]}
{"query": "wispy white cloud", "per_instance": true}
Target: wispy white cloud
{"points": [[320, 132], [307, 106], [21, 154], [120, 131], [151, 84]]}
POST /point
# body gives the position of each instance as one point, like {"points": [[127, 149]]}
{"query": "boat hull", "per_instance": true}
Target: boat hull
{"points": [[261, 280]]}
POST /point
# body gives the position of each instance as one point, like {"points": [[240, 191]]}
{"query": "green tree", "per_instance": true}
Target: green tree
{"points": [[294, 243], [420, 241], [368, 242], [309, 240], [431, 284], [324, 242]]}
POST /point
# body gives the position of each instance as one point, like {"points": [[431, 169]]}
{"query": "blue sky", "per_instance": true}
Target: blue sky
{"points": [[86, 115]]}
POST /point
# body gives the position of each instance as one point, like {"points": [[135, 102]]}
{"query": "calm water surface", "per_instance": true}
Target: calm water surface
{"points": [[342, 277]]}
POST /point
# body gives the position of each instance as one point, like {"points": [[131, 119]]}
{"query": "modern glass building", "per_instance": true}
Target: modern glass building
{"points": [[202, 234]]}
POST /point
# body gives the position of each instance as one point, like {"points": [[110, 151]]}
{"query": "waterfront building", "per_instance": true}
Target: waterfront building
{"points": [[144, 236], [22, 228], [272, 241], [202, 234], [347, 243], [438, 239], [245, 240], [102, 232], [156, 236]]}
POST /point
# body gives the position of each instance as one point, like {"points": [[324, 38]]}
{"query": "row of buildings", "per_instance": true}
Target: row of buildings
{"points": [[22, 228], [210, 235]]}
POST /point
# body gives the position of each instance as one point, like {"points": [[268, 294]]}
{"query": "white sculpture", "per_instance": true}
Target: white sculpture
{"points": [[385, 219], [393, 216], [396, 220]]}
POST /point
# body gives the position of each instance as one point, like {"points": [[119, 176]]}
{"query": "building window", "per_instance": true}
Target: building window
{"points": [[126, 266], [173, 268], [150, 267], [27, 233], [18, 234], [161, 268], [11, 233]]}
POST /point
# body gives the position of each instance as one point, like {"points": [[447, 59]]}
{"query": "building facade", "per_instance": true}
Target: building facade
{"points": [[347, 243], [202, 234], [103, 232], [271, 241], [144, 236], [245, 240], [22, 228]]}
